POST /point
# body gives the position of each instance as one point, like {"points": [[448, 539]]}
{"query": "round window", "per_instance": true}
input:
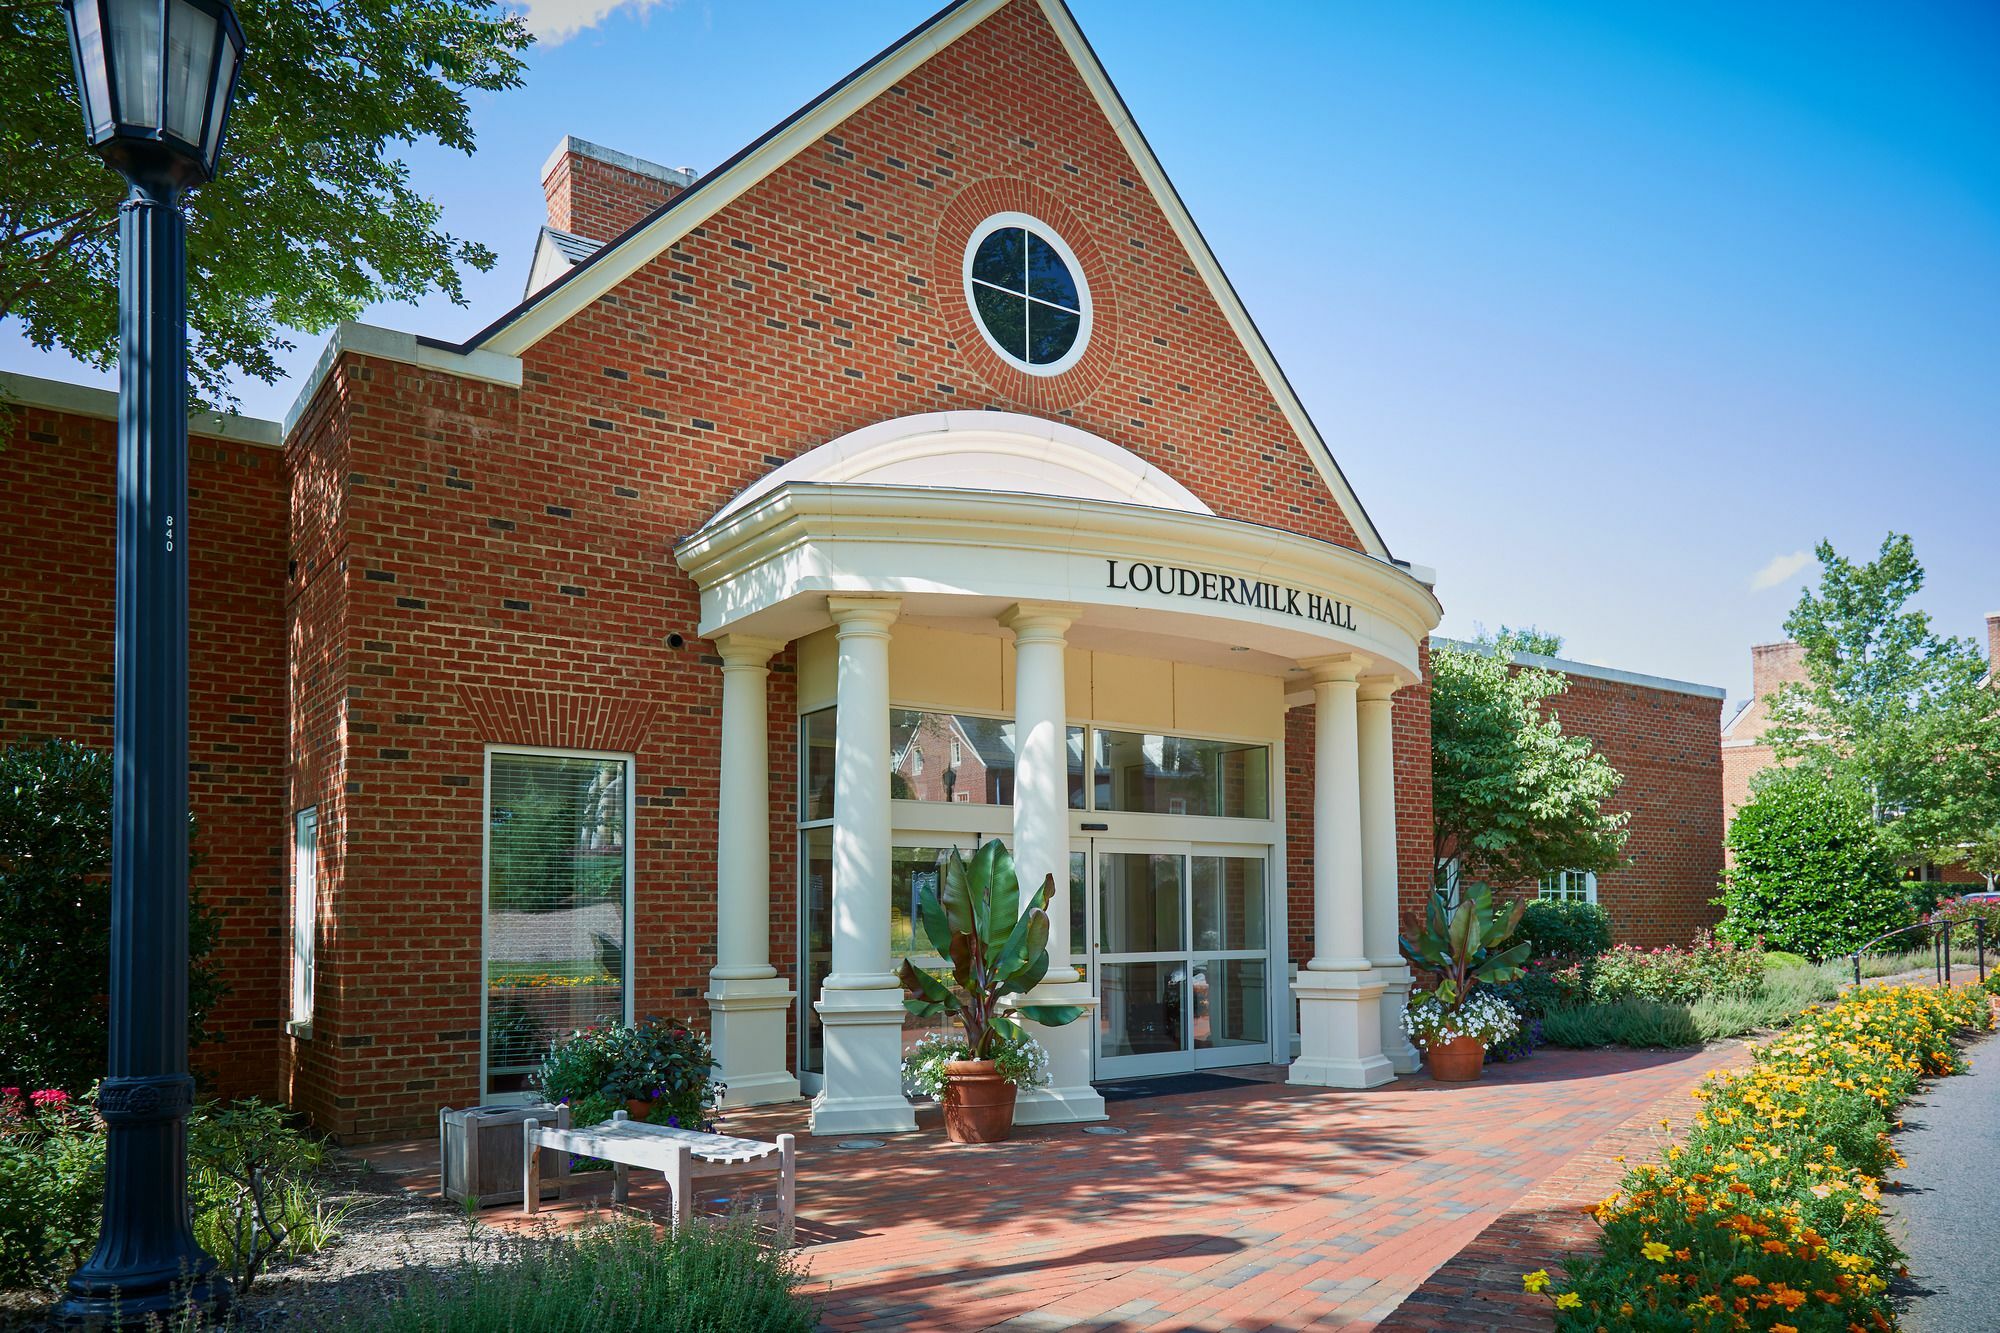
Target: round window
{"points": [[1027, 293]]}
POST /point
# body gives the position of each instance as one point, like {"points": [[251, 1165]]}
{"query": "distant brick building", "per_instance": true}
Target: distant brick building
{"points": [[1745, 753], [1657, 733]]}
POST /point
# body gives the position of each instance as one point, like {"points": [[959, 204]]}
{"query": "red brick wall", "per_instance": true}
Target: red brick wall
{"points": [[596, 199], [508, 553], [1663, 742], [58, 534]]}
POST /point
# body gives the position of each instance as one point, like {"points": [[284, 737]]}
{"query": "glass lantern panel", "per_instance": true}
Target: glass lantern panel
{"points": [[218, 105], [90, 53], [135, 59], [191, 35]]}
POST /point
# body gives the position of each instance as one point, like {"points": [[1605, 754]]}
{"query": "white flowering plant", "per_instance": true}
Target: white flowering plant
{"points": [[1482, 1015], [1024, 1063]]}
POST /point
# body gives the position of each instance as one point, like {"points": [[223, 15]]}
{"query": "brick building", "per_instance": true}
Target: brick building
{"points": [[584, 669], [1656, 733]]}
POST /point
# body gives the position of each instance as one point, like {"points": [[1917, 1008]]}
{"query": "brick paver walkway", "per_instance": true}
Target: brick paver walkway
{"points": [[1255, 1207]]}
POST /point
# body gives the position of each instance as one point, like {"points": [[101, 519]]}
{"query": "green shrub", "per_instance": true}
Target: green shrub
{"points": [[598, 1069], [251, 1188], [1641, 1024], [1776, 960], [55, 919], [1567, 930], [1705, 969], [1785, 995], [705, 1277], [1810, 876]]}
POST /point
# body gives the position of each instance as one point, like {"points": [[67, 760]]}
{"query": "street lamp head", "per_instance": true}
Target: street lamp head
{"points": [[156, 78]]}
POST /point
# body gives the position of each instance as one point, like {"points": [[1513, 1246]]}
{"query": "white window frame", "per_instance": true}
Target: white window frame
{"points": [[305, 917], [485, 884], [1562, 876], [1000, 222]]}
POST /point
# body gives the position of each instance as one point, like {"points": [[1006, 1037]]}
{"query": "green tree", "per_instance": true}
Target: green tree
{"points": [[1908, 713], [1529, 640], [1513, 796], [313, 217], [55, 919], [1811, 875]]}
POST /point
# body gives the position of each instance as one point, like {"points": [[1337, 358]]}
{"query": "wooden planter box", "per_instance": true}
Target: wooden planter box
{"points": [[480, 1153]]}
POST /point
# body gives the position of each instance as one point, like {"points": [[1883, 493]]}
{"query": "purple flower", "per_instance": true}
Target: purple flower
{"points": [[674, 1121]]}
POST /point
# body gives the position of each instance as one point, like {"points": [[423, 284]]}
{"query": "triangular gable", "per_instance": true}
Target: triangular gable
{"points": [[576, 290]]}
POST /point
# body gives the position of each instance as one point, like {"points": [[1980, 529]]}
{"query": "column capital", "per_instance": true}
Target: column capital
{"points": [[746, 650], [861, 615], [1378, 689], [1040, 621], [1337, 669]]}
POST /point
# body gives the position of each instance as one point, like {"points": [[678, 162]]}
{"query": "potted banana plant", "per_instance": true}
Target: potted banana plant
{"points": [[1460, 944], [997, 944]]}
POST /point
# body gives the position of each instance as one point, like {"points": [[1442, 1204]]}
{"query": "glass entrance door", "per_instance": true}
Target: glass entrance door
{"points": [[1179, 955]]}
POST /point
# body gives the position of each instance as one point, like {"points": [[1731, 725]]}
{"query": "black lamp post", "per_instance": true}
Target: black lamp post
{"points": [[155, 78]]}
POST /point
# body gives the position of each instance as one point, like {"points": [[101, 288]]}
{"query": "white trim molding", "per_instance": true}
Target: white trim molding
{"points": [[85, 400], [408, 348], [1589, 669]]}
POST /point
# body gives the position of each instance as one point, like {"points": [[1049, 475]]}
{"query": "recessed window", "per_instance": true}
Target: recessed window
{"points": [[1570, 886], [305, 914], [1027, 293]]}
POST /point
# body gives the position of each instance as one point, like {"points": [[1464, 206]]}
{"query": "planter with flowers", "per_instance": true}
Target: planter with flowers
{"points": [[656, 1071], [1453, 1023], [997, 944]]}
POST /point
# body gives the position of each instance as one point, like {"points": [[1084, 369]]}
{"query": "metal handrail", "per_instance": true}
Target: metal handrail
{"points": [[1940, 947]]}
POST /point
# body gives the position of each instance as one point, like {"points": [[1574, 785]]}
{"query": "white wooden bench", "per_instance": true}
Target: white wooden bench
{"points": [[683, 1155]]}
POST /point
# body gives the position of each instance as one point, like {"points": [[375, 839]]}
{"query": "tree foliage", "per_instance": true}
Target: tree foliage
{"points": [[1513, 796], [1908, 713], [55, 919], [1529, 640], [1811, 875], [313, 216]]}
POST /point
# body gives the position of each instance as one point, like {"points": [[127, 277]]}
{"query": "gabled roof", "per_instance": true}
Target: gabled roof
{"points": [[556, 252], [571, 292]]}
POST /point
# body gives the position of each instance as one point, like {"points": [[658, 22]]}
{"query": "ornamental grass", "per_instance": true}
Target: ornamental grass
{"points": [[1768, 1217]]}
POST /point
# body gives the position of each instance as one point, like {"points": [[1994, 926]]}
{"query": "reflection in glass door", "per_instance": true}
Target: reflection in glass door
{"points": [[1179, 957]]}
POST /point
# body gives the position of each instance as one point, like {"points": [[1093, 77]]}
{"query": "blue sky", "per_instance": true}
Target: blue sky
{"points": [[1610, 311]]}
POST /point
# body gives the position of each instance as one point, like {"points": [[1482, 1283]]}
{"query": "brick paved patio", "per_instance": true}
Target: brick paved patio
{"points": [[1255, 1207]]}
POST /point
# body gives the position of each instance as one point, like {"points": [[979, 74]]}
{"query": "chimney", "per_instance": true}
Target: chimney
{"points": [[1993, 644], [1774, 664], [597, 193]]}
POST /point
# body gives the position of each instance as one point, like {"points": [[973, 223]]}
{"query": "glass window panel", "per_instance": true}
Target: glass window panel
{"points": [[135, 59], [1002, 260], [1006, 319], [97, 94], [1079, 906], [1049, 279], [1230, 1006], [1178, 775], [911, 871], [191, 36], [816, 737], [816, 914], [1051, 333], [1139, 902], [1073, 748], [1141, 1008], [557, 861], [1228, 902], [305, 910], [952, 757]]}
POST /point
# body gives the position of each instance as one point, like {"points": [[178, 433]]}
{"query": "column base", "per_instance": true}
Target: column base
{"points": [[863, 1088], [747, 1030], [1340, 1030], [1068, 1099], [1403, 1057]]}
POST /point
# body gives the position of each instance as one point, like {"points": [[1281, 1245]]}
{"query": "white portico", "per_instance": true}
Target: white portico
{"points": [[1008, 627]]}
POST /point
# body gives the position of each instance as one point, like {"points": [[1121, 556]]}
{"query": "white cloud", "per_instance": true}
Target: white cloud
{"points": [[556, 21], [1779, 569]]}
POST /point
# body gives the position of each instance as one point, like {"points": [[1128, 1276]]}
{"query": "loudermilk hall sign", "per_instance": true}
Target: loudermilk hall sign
{"points": [[1208, 586]]}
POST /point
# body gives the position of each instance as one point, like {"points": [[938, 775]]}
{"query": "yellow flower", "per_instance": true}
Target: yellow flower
{"points": [[1536, 1280], [1655, 1251], [1569, 1300]]}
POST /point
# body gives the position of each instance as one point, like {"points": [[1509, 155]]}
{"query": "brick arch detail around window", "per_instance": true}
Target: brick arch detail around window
{"points": [[509, 715], [1005, 194]]}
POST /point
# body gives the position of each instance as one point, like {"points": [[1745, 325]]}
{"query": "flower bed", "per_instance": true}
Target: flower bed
{"points": [[1766, 1219]]}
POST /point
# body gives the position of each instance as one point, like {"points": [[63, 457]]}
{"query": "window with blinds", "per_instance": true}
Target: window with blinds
{"points": [[305, 913], [558, 872]]}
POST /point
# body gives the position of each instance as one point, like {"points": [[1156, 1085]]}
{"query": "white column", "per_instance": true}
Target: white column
{"points": [[861, 1002], [1340, 1029], [1041, 848], [747, 999], [1380, 899]]}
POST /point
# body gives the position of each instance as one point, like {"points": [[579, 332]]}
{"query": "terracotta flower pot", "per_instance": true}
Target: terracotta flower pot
{"points": [[978, 1103], [1456, 1061], [639, 1109]]}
